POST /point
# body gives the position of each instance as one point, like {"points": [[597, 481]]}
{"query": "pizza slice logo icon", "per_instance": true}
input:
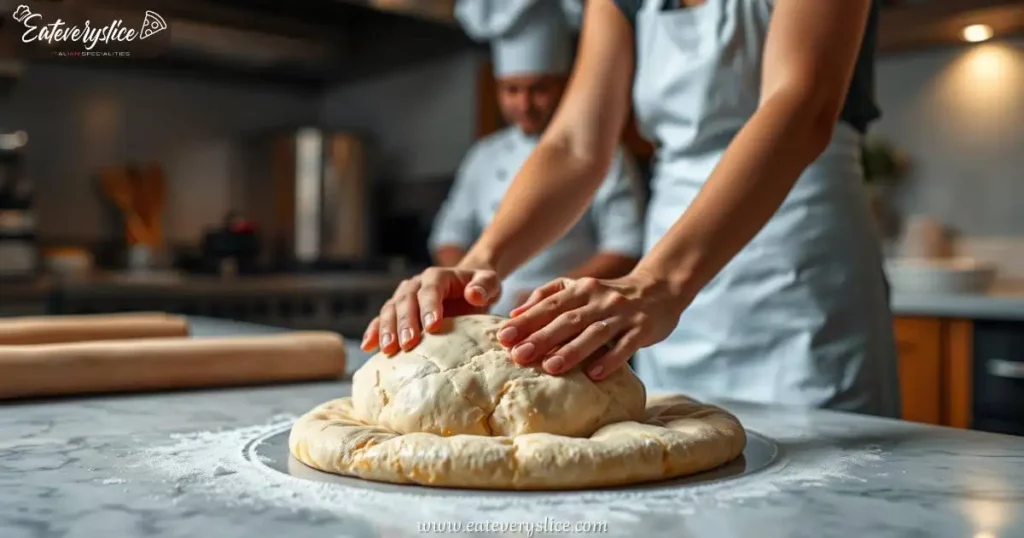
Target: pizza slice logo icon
{"points": [[152, 24]]}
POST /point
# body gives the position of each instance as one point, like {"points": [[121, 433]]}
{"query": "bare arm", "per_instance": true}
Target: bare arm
{"points": [[808, 63], [555, 184], [604, 265], [448, 255], [616, 217]]}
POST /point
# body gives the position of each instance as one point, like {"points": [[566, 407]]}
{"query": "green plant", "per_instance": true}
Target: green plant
{"points": [[883, 162]]}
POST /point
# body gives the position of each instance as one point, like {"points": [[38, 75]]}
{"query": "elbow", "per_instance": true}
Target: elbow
{"points": [[814, 115], [820, 127], [582, 155]]}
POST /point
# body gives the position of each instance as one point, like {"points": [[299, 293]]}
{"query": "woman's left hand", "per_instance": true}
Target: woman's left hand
{"points": [[569, 320]]}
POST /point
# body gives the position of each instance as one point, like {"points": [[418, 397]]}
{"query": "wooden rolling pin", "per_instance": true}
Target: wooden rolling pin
{"points": [[60, 329], [168, 363]]}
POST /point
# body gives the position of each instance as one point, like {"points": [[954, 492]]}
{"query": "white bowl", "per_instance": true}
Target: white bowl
{"points": [[939, 276]]}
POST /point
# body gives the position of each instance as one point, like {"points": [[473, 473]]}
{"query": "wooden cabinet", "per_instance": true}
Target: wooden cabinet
{"points": [[919, 342], [935, 370]]}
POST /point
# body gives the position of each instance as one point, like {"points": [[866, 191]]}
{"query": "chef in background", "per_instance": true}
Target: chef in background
{"points": [[532, 48]]}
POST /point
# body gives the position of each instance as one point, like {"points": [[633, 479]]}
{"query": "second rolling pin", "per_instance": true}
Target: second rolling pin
{"points": [[57, 329], [168, 363]]}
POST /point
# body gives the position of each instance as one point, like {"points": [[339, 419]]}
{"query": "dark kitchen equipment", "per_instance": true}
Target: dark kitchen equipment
{"points": [[233, 247], [309, 190], [19, 251], [999, 376]]}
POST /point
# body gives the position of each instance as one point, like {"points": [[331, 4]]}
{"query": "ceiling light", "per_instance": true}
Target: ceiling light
{"points": [[976, 33]]}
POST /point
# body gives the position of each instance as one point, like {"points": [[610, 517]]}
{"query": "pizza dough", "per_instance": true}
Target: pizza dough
{"points": [[463, 382], [457, 412]]}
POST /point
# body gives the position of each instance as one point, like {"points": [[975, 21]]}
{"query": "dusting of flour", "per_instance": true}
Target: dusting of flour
{"points": [[211, 465]]}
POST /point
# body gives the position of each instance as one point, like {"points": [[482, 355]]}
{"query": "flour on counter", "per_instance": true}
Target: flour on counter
{"points": [[211, 465]]}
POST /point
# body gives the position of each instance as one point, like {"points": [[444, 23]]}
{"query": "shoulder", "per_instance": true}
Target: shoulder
{"points": [[493, 141]]}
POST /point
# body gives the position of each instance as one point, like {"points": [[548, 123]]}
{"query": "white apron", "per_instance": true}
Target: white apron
{"points": [[801, 315]]}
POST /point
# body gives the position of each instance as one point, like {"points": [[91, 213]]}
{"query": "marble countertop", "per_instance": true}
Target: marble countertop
{"points": [[170, 465], [1003, 301]]}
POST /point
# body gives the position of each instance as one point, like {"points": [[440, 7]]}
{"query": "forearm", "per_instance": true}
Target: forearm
{"points": [[604, 265], [751, 181], [549, 194], [448, 255]]}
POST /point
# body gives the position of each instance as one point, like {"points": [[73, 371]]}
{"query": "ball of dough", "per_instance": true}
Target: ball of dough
{"points": [[460, 380]]}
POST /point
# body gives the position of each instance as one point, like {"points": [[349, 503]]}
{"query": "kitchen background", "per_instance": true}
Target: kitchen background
{"points": [[399, 94]]}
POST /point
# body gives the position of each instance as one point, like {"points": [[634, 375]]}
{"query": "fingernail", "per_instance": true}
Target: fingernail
{"points": [[554, 364], [522, 352], [596, 371], [386, 339], [405, 335], [478, 290], [429, 319], [508, 335]]}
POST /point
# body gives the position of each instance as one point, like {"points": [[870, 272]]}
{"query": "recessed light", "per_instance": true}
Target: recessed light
{"points": [[976, 33]]}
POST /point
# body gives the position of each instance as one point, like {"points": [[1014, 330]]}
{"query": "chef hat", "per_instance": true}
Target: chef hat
{"points": [[526, 36]]}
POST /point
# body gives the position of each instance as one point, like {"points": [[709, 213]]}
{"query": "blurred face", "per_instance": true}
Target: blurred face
{"points": [[529, 101]]}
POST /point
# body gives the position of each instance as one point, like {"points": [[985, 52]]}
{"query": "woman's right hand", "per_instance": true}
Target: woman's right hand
{"points": [[422, 301]]}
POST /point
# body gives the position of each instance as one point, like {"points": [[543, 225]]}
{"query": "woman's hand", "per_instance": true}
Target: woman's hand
{"points": [[420, 302], [567, 321]]}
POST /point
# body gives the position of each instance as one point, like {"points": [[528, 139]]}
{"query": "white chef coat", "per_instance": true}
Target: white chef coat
{"points": [[612, 223]]}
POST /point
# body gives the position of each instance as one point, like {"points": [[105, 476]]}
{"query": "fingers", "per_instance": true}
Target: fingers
{"points": [[407, 310], [482, 289], [369, 342], [422, 302], [538, 295], [557, 323], [618, 355], [572, 295], [594, 337], [399, 319], [388, 328], [433, 287], [515, 330]]}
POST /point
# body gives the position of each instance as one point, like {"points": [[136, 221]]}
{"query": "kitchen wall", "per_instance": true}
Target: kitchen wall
{"points": [[419, 123], [421, 120], [80, 120], [959, 113]]}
